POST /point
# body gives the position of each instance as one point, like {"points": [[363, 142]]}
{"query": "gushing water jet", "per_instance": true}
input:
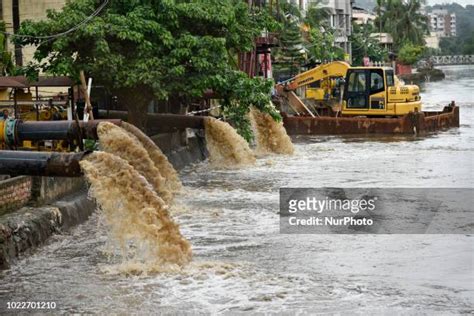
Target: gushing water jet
{"points": [[227, 149], [117, 141], [270, 135]]}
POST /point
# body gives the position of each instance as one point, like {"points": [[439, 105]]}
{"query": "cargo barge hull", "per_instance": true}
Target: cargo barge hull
{"points": [[419, 123]]}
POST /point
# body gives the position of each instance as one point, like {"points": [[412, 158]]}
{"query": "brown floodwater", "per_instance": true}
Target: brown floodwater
{"points": [[241, 262]]}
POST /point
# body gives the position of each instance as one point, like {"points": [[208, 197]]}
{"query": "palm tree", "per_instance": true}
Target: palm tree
{"points": [[403, 20], [317, 16]]}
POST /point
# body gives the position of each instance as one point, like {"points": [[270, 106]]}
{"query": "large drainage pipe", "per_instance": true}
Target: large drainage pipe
{"points": [[33, 163], [14, 132], [161, 122]]}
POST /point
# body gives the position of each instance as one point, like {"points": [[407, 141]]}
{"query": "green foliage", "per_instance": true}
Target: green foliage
{"points": [[320, 38], [6, 64], [403, 20], [246, 92], [468, 46], [290, 9], [304, 39], [321, 47], [429, 51], [410, 54], [290, 55], [365, 45], [145, 49], [457, 45], [317, 17]]}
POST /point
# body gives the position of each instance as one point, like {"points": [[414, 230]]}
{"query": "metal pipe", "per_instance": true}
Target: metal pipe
{"points": [[55, 130], [161, 122], [49, 130], [33, 163]]}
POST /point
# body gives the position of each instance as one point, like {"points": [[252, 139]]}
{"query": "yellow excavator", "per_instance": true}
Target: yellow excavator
{"points": [[350, 91]]}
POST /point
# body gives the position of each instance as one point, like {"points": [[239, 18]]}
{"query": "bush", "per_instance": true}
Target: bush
{"points": [[410, 54]]}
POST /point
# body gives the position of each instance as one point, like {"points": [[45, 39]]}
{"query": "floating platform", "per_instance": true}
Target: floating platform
{"points": [[420, 123]]}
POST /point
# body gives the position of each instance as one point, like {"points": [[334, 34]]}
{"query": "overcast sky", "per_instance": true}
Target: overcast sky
{"points": [[461, 2]]}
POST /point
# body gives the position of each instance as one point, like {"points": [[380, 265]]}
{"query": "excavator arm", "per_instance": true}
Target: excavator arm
{"points": [[323, 73], [331, 70]]}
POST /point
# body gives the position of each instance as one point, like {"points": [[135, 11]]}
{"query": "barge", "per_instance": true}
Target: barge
{"points": [[420, 123]]}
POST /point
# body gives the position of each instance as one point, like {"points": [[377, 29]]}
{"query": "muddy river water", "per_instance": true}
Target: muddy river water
{"points": [[241, 262]]}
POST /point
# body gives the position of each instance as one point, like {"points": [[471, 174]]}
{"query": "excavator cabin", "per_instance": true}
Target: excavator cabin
{"points": [[374, 91]]}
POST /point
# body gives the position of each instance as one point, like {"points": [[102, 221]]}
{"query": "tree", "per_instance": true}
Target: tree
{"points": [[410, 54], [290, 55], [468, 46], [364, 45], [6, 64], [320, 39], [403, 20], [321, 46], [305, 40], [317, 16], [451, 45], [154, 49]]}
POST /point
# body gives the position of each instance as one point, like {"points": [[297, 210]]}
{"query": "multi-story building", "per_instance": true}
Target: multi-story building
{"points": [[13, 12], [362, 16], [339, 20], [443, 23]]}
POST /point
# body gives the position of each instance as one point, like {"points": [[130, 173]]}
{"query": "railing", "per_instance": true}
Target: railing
{"points": [[452, 60]]}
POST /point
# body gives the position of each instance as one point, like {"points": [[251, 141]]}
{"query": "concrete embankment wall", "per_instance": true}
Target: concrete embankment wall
{"points": [[23, 230], [34, 208]]}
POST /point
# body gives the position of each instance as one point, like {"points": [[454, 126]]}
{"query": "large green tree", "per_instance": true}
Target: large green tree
{"points": [[290, 54], [403, 20], [154, 49]]}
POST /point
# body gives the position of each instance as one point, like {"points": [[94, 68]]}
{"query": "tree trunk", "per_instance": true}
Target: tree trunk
{"points": [[136, 101]]}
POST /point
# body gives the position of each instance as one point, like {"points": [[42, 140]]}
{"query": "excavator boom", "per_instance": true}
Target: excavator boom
{"points": [[331, 70]]}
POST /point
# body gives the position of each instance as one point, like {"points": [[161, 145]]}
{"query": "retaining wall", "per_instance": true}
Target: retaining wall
{"points": [[14, 193]]}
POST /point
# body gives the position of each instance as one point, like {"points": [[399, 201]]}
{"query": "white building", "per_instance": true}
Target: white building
{"points": [[443, 23], [432, 40], [385, 40], [362, 16]]}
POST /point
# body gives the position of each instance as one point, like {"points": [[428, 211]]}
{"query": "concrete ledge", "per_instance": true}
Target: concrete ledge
{"points": [[29, 227], [194, 151], [49, 189]]}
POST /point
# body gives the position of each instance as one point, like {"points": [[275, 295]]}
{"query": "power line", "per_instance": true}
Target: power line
{"points": [[54, 36]]}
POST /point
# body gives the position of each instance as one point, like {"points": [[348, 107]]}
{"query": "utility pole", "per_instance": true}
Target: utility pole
{"points": [[16, 27]]}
